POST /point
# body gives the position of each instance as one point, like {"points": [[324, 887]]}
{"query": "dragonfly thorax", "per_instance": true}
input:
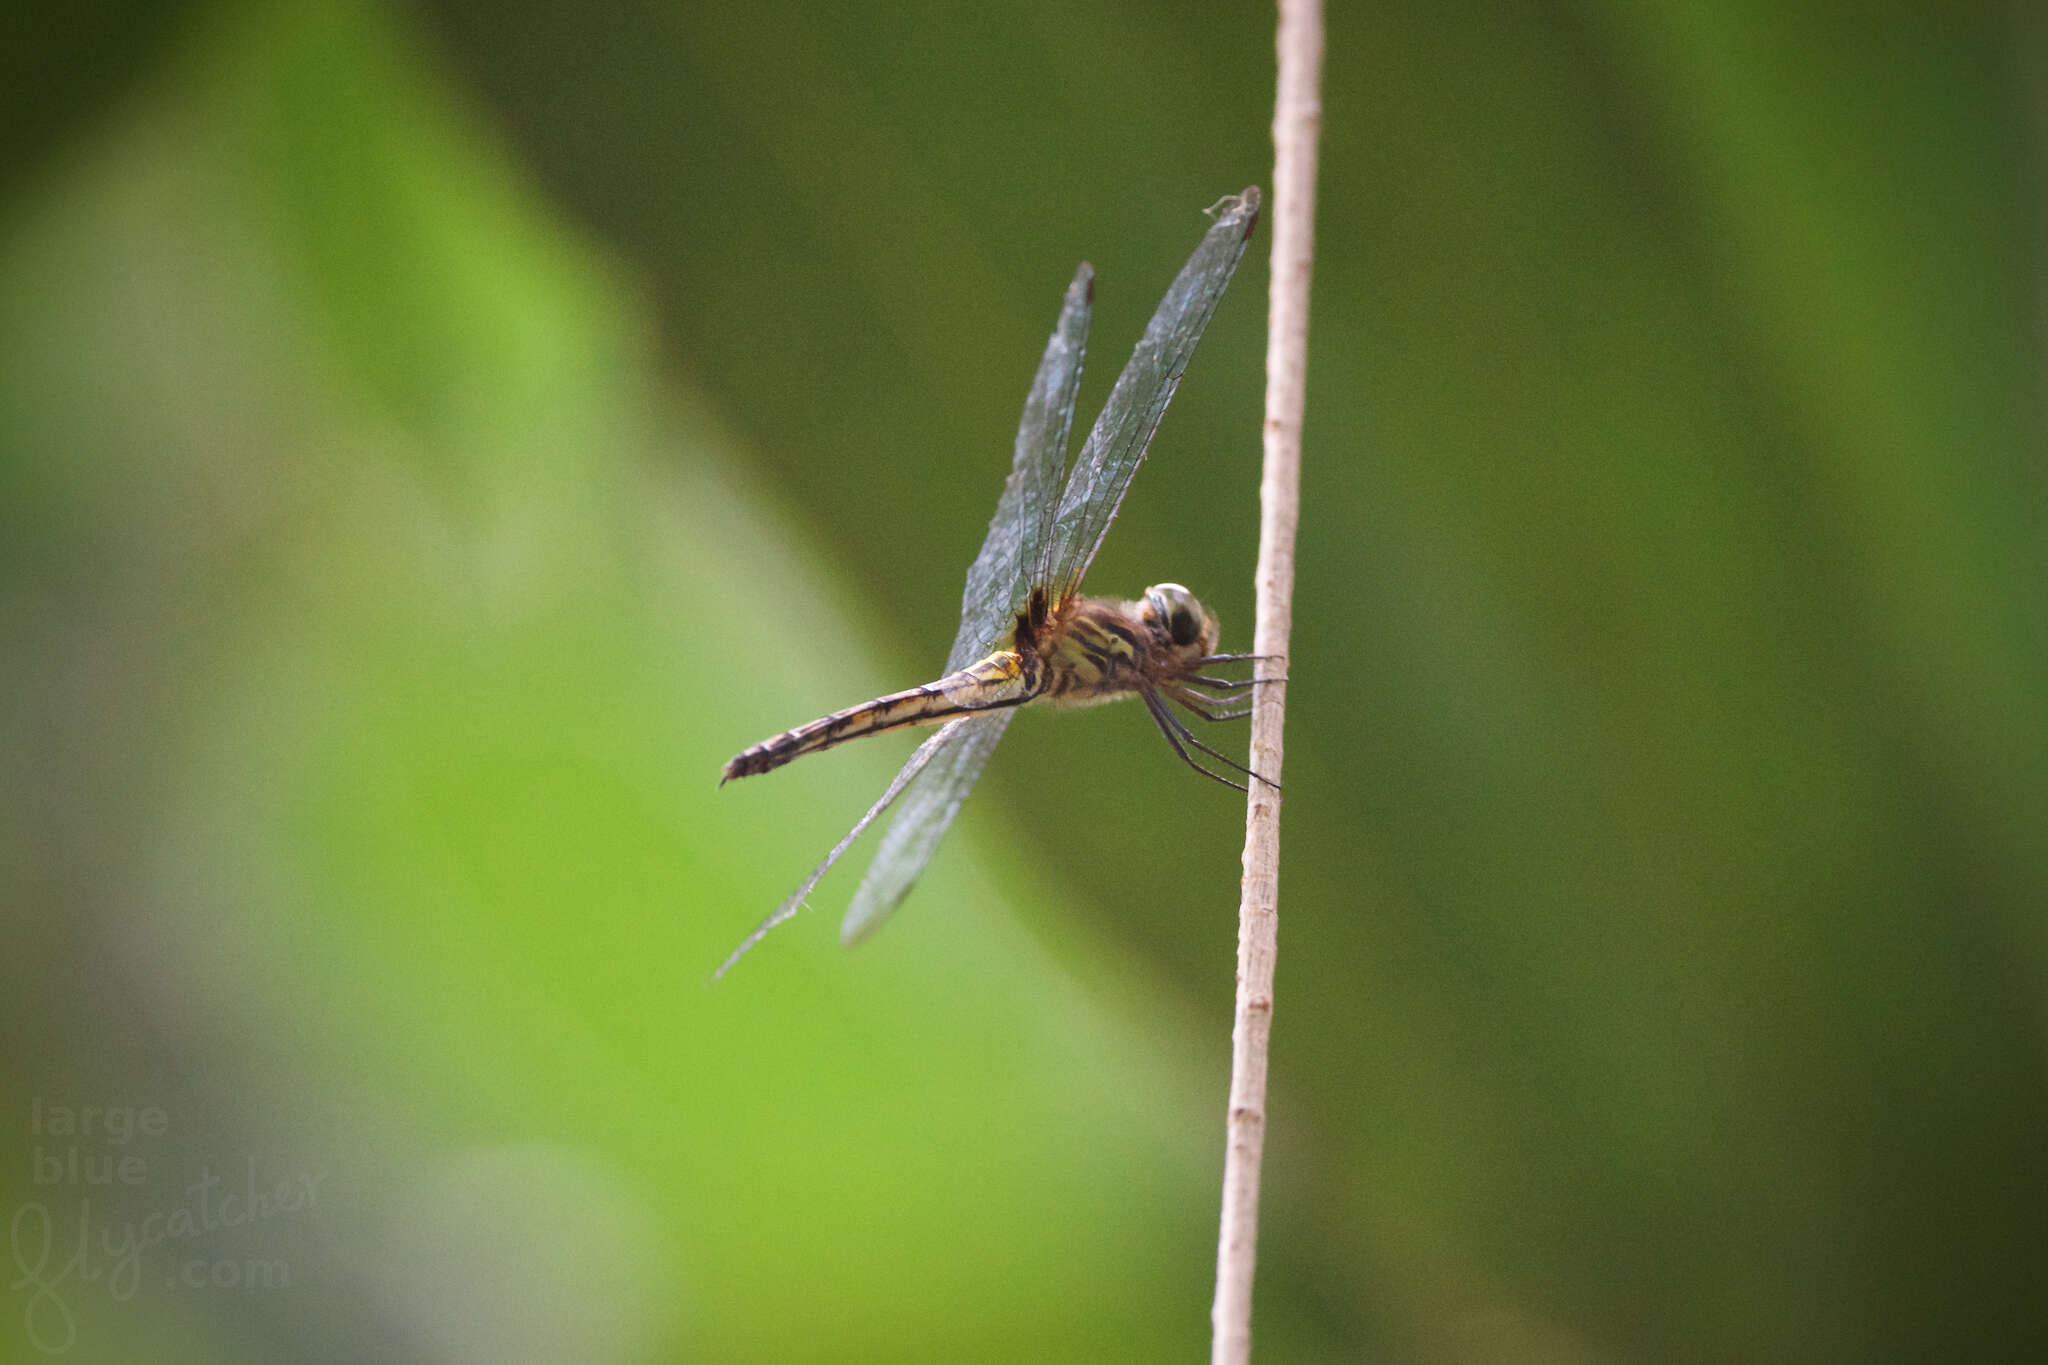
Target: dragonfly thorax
{"points": [[1095, 649]]}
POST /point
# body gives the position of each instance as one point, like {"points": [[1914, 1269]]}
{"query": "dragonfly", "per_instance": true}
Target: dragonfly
{"points": [[1026, 633]]}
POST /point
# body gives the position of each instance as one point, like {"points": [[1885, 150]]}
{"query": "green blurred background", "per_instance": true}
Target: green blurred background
{"points": [[434, 437]]}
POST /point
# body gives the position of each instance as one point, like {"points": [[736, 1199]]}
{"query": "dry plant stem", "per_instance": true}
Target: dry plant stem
{"points": [[1297, 121]]}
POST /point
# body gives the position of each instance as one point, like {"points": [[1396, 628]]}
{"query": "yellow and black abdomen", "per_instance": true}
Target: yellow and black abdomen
{"points": [[998, 680]]}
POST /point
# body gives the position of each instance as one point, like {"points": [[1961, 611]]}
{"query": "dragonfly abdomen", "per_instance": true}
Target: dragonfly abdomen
{"points": [[1002, 679]]}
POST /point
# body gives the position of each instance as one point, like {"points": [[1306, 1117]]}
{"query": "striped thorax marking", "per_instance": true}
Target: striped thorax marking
{"points": [[1098, 653]]}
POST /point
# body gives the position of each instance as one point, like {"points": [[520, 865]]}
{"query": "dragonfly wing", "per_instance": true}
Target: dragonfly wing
{"points": [[948, 736], [1030, 543], [995, 592], [1116, 445], [959, 752], [996, 583], [996, 588]]}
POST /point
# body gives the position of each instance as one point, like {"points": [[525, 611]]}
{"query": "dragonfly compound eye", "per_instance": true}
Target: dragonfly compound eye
{"points": [[1176, 609]]}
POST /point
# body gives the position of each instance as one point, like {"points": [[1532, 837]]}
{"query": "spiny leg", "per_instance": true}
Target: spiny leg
{"points": [[1209, 680], [1160, 710], [1232, 705], [1184, 691], [1166, 723], [1200, 702], [1233, 692], [1233, 658], [1224, 684], [1194, 700]]}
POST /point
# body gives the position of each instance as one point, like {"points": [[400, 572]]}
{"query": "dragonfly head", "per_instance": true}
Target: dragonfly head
{"points": [[1186, 627]]}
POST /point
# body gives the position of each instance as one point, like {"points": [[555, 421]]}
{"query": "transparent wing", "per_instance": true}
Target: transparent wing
{"points": [[996, 582], [928, 808], [996, 589], [951, 760], [944, 740], [1116, 445]]}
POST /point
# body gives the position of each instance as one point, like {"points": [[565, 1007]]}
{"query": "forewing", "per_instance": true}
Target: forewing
{"points": [[996, 583], [951, 760], [995, 592], [1029, 542], [928, 808], [1116, 445]]}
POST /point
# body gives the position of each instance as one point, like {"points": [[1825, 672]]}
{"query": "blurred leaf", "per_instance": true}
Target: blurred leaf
{"points": [[390, 562]]}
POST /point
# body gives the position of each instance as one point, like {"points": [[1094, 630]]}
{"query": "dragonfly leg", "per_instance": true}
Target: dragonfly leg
{"points": [[1160, 718], [1227, 684], [1200, 702], [1207, 680], [1176, 731], [1183, 691], [1189, 736]]}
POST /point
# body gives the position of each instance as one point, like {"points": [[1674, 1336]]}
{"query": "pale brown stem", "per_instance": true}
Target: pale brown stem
{"points": [[1297, 122]]}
